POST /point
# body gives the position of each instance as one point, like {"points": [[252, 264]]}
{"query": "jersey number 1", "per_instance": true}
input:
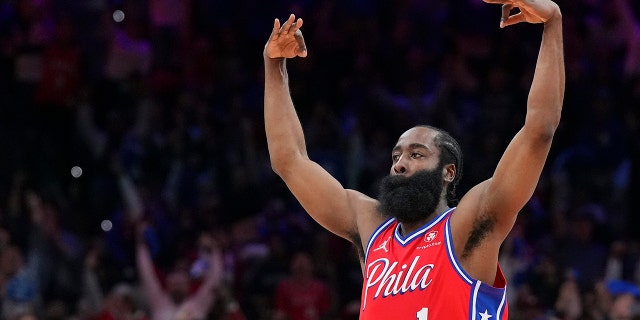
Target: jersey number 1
{"points": [[422, 314]]}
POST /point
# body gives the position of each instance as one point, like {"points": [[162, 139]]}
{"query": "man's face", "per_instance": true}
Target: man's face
{"points": [[414, 188], [415, 151]]}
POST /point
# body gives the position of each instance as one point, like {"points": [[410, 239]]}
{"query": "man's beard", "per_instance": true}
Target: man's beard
{"points": [[410, 199]]}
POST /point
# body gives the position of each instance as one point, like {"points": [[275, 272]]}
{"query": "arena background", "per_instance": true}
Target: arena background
{"points": [[153, 108]]}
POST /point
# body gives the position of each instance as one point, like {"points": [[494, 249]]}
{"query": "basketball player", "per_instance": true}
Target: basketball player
{"points": [[422, 259]]}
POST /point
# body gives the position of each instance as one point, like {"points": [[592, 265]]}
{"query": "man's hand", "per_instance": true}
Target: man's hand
{"points": [[286, 41], [531, 11]]}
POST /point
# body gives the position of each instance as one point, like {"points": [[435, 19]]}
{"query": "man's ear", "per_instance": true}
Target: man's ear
{"points": [[449, 172]]}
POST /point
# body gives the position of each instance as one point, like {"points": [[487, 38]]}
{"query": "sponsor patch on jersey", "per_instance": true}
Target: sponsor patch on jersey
{"points": [[430, 236]]}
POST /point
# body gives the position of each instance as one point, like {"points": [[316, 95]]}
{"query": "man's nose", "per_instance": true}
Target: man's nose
{"points": [[400, 166]]}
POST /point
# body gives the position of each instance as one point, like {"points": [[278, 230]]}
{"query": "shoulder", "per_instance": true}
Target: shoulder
{"points": [[368, 218]]}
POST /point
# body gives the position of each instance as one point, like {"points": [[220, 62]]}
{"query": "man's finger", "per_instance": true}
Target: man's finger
{"points": [[276, 28], [516, 18], [302, 47], [495, 1], [506, 11], [287, 24], [296, 25]]}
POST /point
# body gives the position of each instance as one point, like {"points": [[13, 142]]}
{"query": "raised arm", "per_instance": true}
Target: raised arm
{"points": [[518, 171], [152, 289], [208, 291], [322, 196], [496, 202]]}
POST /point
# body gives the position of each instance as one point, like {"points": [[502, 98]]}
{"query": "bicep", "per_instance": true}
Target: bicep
{"points": [[487, 212], [499, 198], [322, 196]]}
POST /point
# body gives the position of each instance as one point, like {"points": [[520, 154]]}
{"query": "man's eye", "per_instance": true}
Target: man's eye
{"points": [[416, 155], [395, 157]]}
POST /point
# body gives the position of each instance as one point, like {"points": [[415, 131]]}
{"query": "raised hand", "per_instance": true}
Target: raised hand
{"points": [[286, 41], [531, 11]]}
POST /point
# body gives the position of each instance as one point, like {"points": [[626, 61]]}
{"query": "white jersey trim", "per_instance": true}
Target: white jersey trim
{"points": [[405, 240], [375, 235]]}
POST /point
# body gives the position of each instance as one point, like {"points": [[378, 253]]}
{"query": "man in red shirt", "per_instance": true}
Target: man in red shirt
{"points": [[422, 256], [301, 296]]}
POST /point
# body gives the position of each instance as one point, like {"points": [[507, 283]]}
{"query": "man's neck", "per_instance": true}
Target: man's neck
{"points": [[407, 228]]}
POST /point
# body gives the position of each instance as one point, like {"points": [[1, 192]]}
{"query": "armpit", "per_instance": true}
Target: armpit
{"points": [[482, 226]]}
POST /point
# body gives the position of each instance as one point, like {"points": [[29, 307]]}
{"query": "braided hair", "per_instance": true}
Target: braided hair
{"points": [[450, 153]]}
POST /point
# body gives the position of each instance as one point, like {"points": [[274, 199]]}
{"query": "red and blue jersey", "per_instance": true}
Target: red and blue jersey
{"points": [[418, 277]]}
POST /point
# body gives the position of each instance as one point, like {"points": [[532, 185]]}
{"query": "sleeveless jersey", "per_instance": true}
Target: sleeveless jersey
{"points": [[419, 277]]}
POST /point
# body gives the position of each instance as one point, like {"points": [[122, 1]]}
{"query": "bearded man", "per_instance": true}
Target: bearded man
{"points": [[422, 256]]}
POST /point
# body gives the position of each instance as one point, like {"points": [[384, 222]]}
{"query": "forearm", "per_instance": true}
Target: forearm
{"points": [[211, 286], [132, 200], [285, 138], [546, 96], [95, 139], [146, 271]]}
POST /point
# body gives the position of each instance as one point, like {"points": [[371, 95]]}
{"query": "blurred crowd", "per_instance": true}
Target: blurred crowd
{"points": [[172, 211]]}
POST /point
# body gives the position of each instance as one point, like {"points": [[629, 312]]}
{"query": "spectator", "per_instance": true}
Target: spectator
{"points": [[121, 304], [20, 291], [301, 296], [174, 300]]}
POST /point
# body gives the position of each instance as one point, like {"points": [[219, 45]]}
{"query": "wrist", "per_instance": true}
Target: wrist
{"points": [[273, 64], [269, 59], [556, 17], [266, 57]]}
